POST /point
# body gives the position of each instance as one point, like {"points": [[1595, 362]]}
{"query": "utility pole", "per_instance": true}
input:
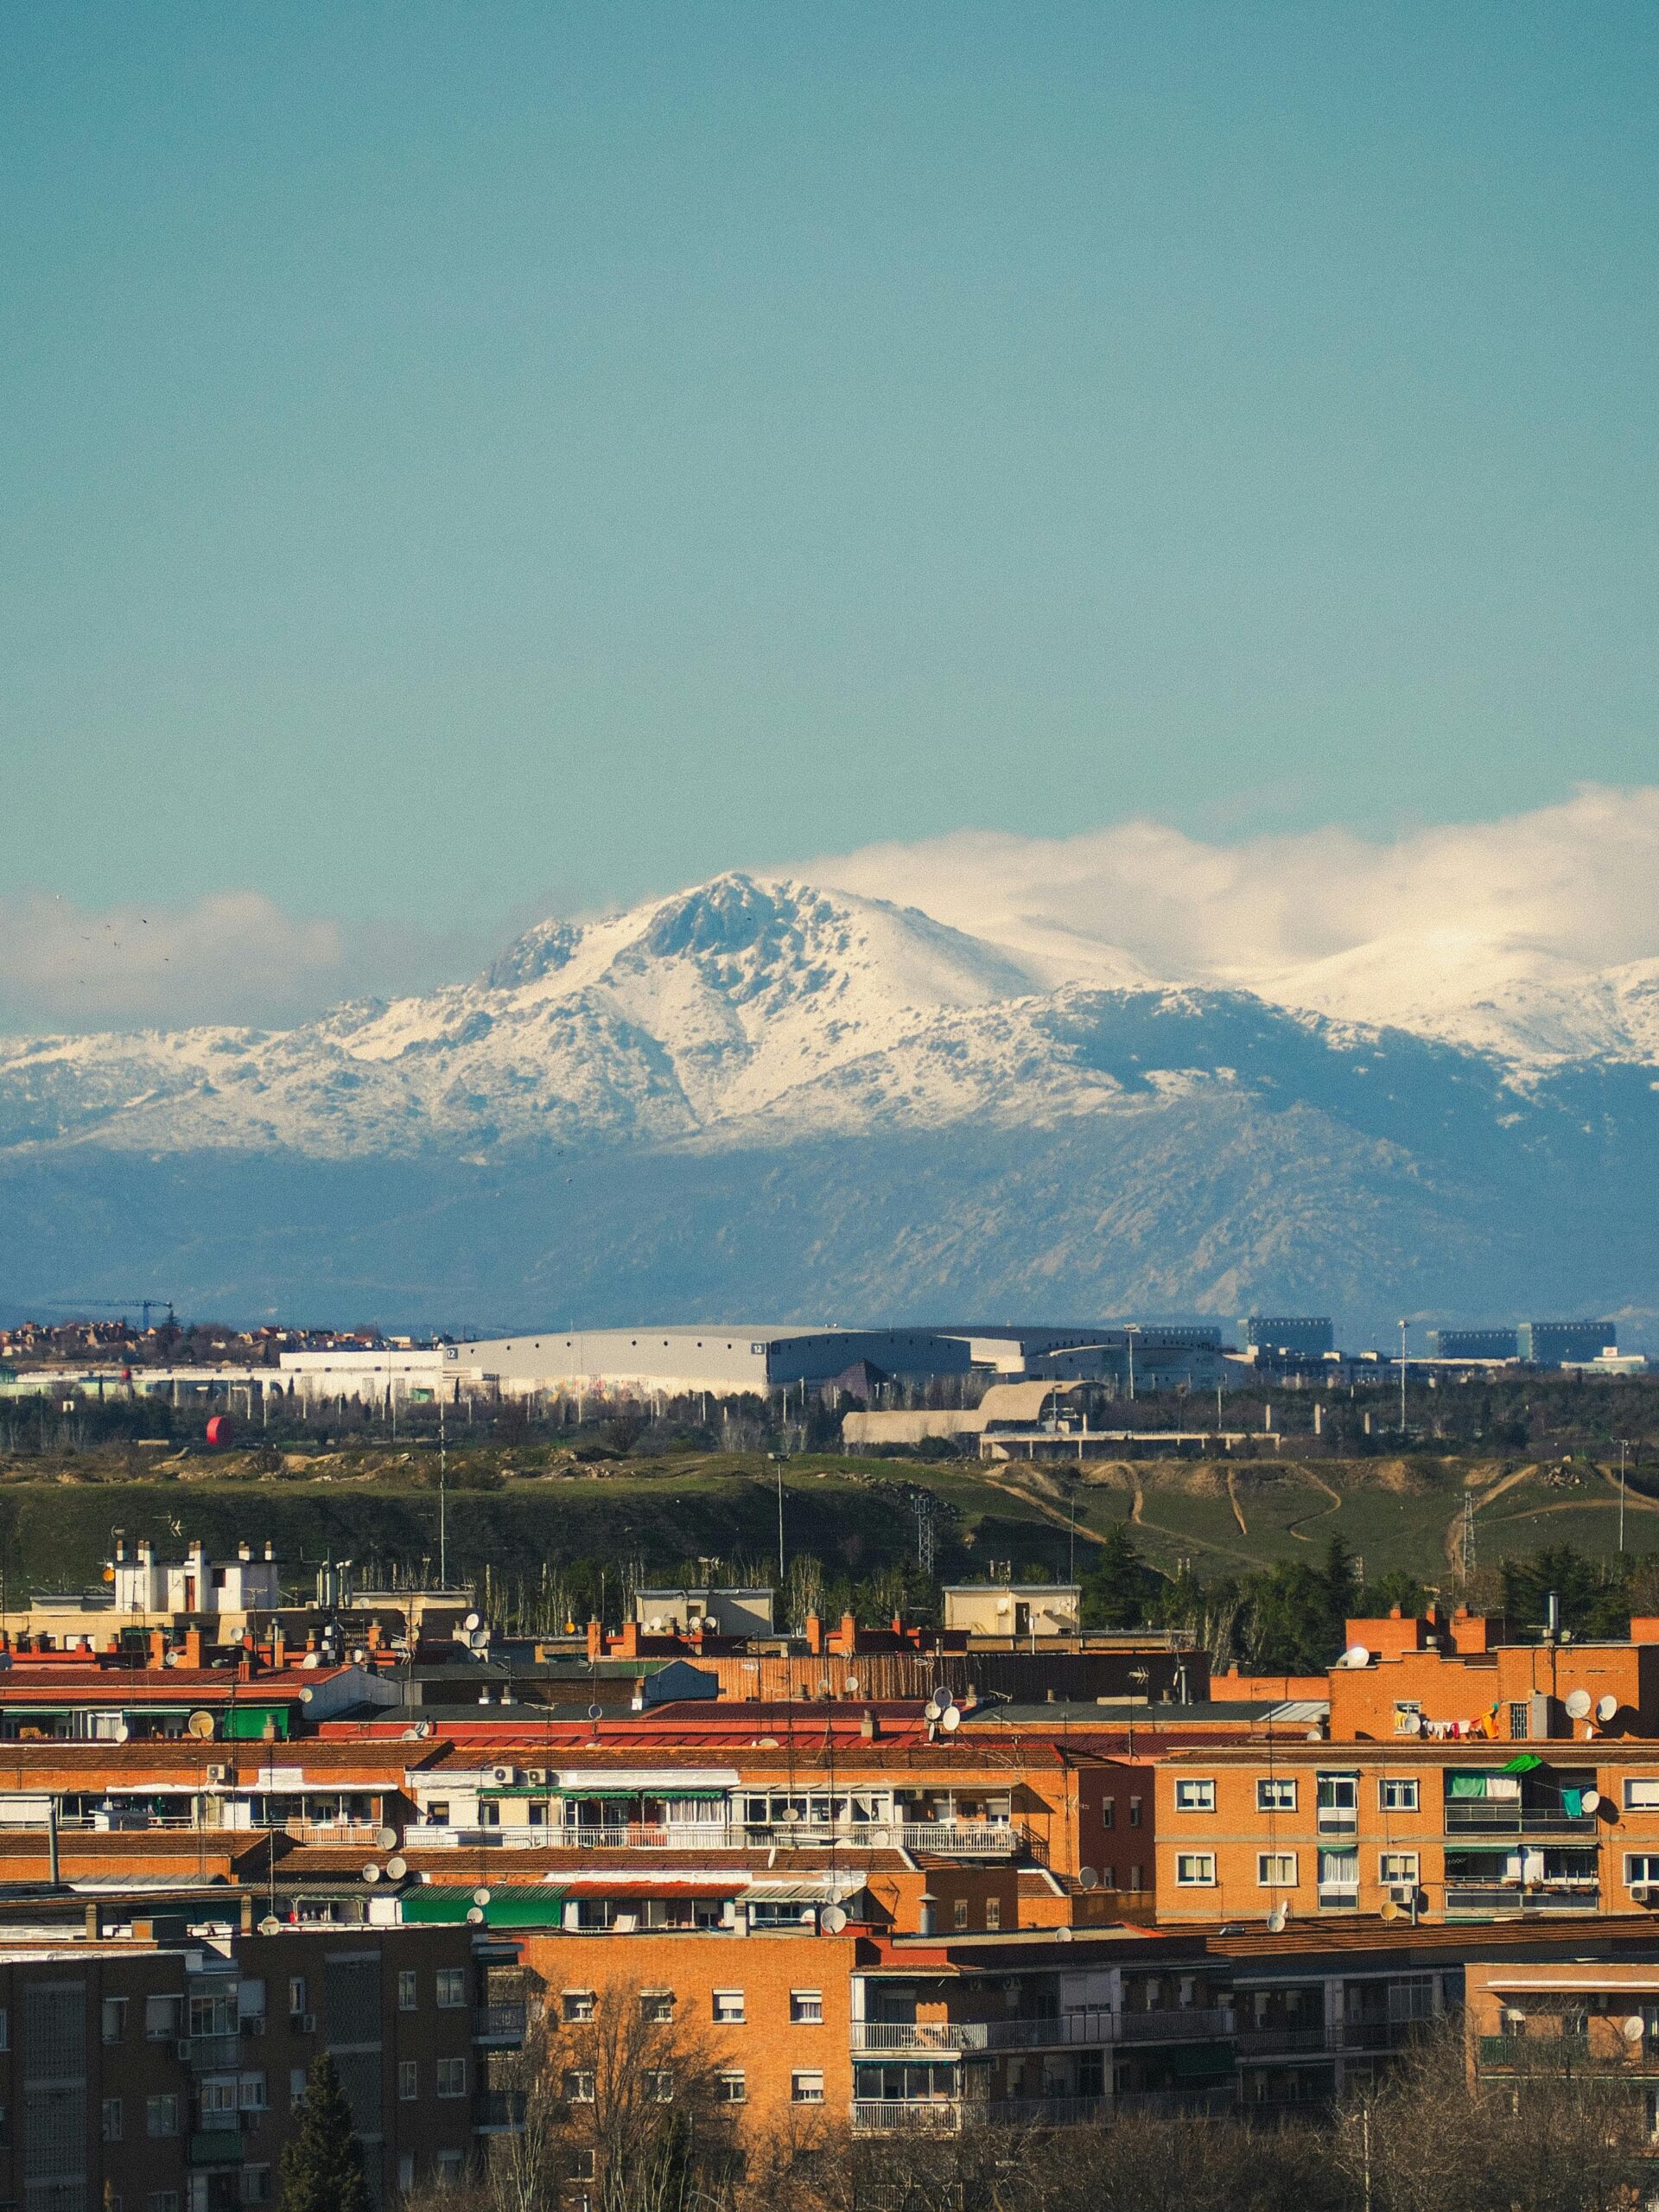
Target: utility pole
{"points": [[444, 1546], [1404, 1324], [1622, 1446], [778, 1459]]}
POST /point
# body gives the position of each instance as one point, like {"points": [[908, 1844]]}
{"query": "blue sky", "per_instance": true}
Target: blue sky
{"points": [[462, 461]]}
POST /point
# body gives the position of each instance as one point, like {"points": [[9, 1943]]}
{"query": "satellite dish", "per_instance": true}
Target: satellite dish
{"points": [[594, 1712], [387, 1839], [305, 1695], [1607, 1706], [474, 1915], [371, 1872], [1591, 1801], [1062, 1935], [310, 1660], [852, 1684], [950, 1720], [471, 1621], [480, 1896], [122, 1732], [395, 1869], [170, 1658], [422, 1730], [832, 1920], [1356, 1655], [930, 1711], [200, 1723], [1390, 1910], [1277, 1918], [1088, 1878], [1633, 2029], [1578, 1705], [271, 1925]]}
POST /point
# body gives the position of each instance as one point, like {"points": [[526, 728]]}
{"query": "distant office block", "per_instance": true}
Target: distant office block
{"points": [[1472, 1344], [1547, 1343], [1310, 1334]]}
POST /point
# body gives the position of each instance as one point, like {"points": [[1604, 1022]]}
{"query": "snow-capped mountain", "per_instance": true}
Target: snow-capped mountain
{"points": [[853, 1104]]}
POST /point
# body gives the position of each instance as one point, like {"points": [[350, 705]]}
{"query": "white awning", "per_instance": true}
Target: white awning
{"points": [[649, 1781]]}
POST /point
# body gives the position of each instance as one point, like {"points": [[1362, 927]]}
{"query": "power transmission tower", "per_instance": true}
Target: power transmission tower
{"points": [[924, 1534], [1468, 1538]]}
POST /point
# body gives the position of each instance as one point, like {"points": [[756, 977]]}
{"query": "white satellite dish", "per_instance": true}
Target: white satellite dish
{"points": [[395, 1869], [474, 1915], [1063, 1936], [387, 1839], [310, 1660], [1356, 1655], [1277, 1918], [930, 1711], [271, 1925], [480, 1896], [1088, 1878], [1633, 2029], [370, 1873], [595, 1712], [1607, 1706], [1578, 1705], [832, 1920], [852, 1685], [169, 1659], [122, 1732], [1591, 1801], [471, 1621], [950, 1720]]}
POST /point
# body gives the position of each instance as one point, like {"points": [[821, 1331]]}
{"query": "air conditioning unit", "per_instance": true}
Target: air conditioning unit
{"points": [[1645, 1892], [504, 1776], [1402, 1893], [540, 1776], [303, 2024], [218, 1772], [253, 2023]]}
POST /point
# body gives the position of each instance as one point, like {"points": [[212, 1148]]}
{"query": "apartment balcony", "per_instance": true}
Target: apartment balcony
{"points": [[1342, 1896], [888, 2036], [217, 2146], [949, 1839], [1534, 2054], [211, 2054], [930, 2116], [498, 2112], [1046, 2111], [1477, 1816], [1351, 2038], [501, 2024], [1509, 1898], [1271, 2043], [354, 1832], [1196, 2103]]}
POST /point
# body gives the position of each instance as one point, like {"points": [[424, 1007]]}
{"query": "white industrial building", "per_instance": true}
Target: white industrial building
{"points": [[722, 1610], [728, 1360], [996, 1609], [407, 1371]]}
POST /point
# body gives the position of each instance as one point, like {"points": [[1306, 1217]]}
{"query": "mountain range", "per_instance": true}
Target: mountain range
{"points": [[771, 1098]]}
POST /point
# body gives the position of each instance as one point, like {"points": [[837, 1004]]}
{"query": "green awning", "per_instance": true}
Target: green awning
{"points": [[1523, 1763], [622, 1797], [677, 1797], [517, 1790], [535, 1907]]}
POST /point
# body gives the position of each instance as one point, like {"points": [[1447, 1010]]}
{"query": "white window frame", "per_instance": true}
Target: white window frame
{"points": [[1184, 1859], [1275, 1792], [1406, 1865], [1645, 1860], [806, 2008], [1409, 1796], [452, 2070], [806, 2086], [1195, 1793], [1281, 1881], [731, 2086], [736, 2016], [1641, 1793]]}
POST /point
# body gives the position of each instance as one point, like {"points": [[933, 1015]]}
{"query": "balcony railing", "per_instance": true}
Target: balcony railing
{"points": [[936, 2116], [1091, 2026], [1196, 2103], [217, 2146], [505, 2022], [947, 2036], [212, 2052], [1538, 2053], [1575, 1897], [944, 1838], [1477, 1816], [1043, 2112]]}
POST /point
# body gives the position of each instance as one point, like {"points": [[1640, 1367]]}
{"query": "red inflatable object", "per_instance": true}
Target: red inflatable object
{"points": [[218, 1429]]}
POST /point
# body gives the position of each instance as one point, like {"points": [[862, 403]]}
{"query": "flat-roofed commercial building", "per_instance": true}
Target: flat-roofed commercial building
{"points": [[1549, 1344], [1309, 1336], [1472, 1344], [728, 1360]]}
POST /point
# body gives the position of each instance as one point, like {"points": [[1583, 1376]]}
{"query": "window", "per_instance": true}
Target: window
{"points": [[216, 2096], [656, 2003], [408, 1989], [164, 2018], [1407, 1717], [115, 2020], [162, 2115], [659, 2085], [1397, 1867], [584, 2166], [729, 2007], [296, 1993], [1135, 1879], [577, 2005], [1519, 1721], [1195, 1796], [250, 2092], [1339, 1877], [113, 2121], [452, 2077], [250, 2001], [578, 2086], [408, 2080], [296, 2087], [807, 2005], [256, 2184], [5, 2033], [730, 2087], [806, 2088], [1338, 1800], [1275, 1792], [449, 2165], [1196, 1869], [1397, 1793], [161, 2200], [993, 1914], [1134, 1812], [437, 1812], [959, 1913], [1642, 1793], [1641, 1866], [452, 1988], [406, 2171], [1107, 1812], [1275, 1870]]}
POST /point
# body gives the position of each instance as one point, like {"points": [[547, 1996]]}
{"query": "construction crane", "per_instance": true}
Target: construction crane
{"points": [[122, 1305]]}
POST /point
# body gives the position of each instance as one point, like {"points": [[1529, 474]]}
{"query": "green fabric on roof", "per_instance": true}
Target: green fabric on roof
{"points": [[526, 1908], [626, 1796], [1523, 1763], [429, 1904]]}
